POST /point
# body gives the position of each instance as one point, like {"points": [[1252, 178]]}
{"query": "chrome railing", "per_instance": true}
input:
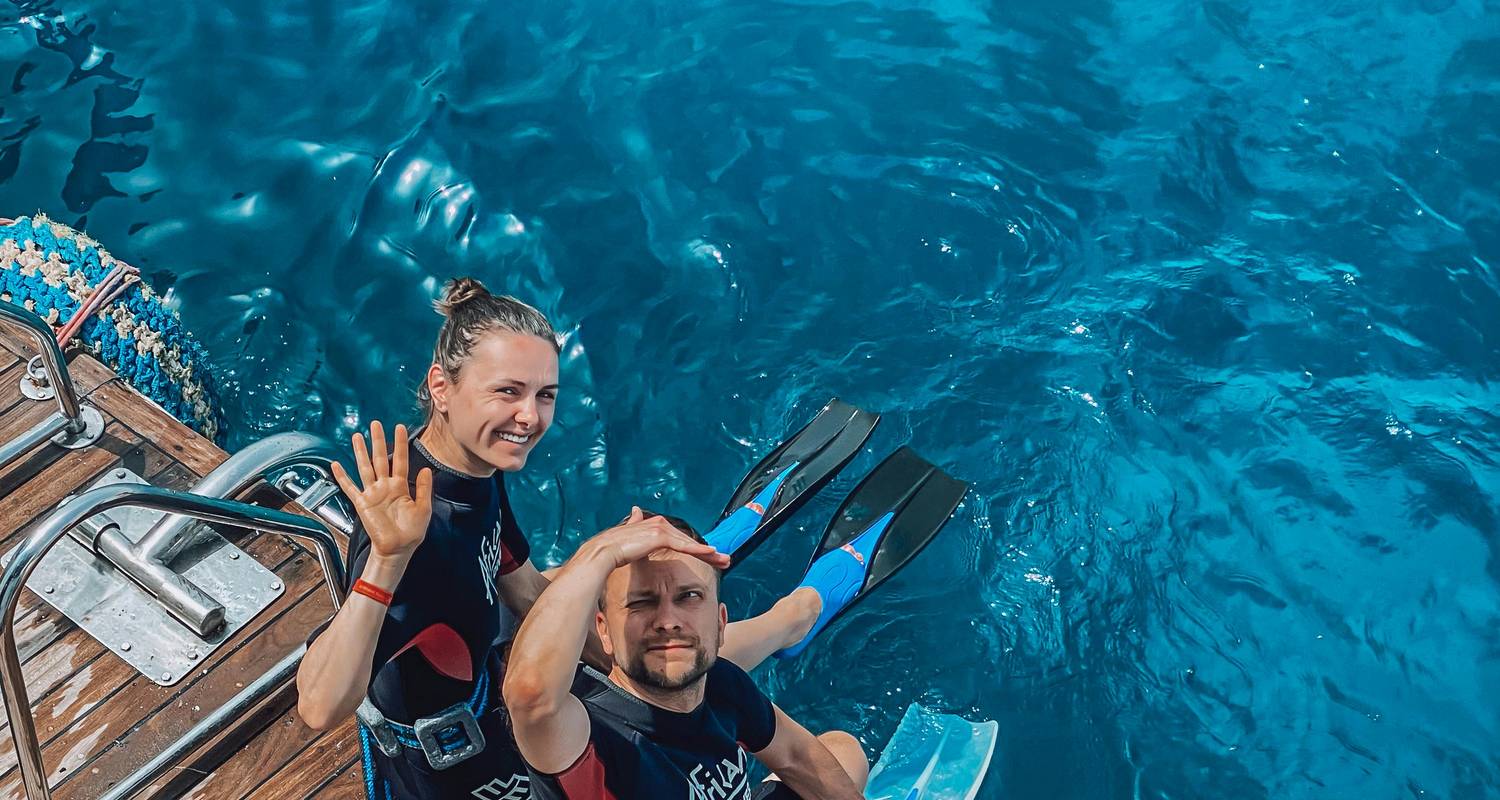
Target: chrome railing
{"points": [[24, 559], [75, 424]]}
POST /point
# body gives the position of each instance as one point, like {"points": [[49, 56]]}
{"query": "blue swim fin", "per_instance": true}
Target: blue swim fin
{"points": [[789, 476], [933, 756], [884, 523]]}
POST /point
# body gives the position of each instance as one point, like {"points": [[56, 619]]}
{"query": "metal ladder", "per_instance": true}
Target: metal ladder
{"points": [[147, 562]]}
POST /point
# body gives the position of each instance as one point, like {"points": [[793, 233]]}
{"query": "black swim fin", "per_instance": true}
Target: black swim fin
{"points": [[885, 522], [789, 476]]}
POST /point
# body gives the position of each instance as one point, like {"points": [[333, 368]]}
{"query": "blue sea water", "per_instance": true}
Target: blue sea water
{"points": [[1202, 298]]}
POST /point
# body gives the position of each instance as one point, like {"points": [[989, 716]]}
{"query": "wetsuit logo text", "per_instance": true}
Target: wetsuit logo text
{"points": [[727, 781], [491, 556], [516, 787]]}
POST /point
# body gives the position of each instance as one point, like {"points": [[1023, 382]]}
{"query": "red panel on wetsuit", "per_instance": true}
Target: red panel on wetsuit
{"points": [[445, 650], [585, 779], [508, 561]]}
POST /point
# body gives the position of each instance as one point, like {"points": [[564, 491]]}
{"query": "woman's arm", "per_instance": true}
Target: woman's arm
{"points": [[335, 673]]}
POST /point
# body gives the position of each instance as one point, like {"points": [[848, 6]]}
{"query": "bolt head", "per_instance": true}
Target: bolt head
{"points": [[166, 676], [275, 586], [125, 648]]}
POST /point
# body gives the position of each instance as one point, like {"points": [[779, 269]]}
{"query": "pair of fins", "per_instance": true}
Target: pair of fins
{"points": [[888, 519]]}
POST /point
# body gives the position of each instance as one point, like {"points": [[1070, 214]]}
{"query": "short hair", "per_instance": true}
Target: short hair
{"points": [[677, 522], [687, 528]]}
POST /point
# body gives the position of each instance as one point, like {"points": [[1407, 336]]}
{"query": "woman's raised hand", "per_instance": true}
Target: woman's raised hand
{"points": [[394, 517]]}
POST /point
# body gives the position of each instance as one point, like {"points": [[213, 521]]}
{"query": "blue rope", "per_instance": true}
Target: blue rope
{"points": [[144, 371]]}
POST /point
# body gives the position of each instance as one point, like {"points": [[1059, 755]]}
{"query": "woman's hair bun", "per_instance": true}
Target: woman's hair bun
{"points": [[457, 292]]}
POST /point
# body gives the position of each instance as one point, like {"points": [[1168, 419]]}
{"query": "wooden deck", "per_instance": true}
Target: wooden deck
{"points": [[98, 719]]}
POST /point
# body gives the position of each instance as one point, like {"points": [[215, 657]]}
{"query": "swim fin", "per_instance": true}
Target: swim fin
{"points": [[933, 756], [889, 517], [789, 476]]}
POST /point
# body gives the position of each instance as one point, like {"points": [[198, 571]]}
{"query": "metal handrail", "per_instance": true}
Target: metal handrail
{"points": [[25, 558], [69, 420]]}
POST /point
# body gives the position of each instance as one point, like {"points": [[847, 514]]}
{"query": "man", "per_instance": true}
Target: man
{"points": [[671, 719]]}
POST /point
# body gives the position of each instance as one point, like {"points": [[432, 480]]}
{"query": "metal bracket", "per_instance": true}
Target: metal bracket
{"points": [[316, 497], [133, 625], [93, 428], [379, 727], [34, 384]]}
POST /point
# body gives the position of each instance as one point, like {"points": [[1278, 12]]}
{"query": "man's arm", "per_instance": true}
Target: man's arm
{"points": [[519, 590], [804, 764], [550, 724]]}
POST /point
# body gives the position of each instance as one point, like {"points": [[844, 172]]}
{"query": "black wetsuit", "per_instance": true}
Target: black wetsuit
{"points": [[638, 751], [449, 596]]}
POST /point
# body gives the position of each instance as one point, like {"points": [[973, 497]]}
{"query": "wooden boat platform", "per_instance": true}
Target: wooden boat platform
{"points": [[98, 719]]}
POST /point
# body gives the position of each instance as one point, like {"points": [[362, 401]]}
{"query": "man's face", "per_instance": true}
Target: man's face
{"points": [[662, 621]]}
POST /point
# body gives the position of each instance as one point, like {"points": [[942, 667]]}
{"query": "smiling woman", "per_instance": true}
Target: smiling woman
{"points": [[439, 551]]}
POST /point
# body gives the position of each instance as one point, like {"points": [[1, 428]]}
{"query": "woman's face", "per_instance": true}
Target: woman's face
{"points": [[503, 400]]}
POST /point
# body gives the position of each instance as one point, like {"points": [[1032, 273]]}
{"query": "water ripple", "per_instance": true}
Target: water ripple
{"points": [[1199, 296]]}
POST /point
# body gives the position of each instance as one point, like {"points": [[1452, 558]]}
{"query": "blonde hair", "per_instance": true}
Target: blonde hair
{"points": [[471, 312]]}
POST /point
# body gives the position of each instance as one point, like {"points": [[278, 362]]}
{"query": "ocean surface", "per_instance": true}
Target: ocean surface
{"points": [[1201, 297]]}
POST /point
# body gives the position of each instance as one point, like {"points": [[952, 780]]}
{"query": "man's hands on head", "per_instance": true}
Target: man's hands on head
{"points": [[638, 536]]}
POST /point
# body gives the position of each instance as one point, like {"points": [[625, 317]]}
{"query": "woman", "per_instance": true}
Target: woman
{"points": [[437, 555]]}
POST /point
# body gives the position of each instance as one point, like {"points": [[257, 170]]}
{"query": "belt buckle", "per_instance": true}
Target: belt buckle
{"points": [[455, 716], [379, 727]]}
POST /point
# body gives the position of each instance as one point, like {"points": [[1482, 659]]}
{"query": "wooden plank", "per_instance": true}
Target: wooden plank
{"points": [[36, 624], [85, 370], [99, 719], [61, 478], [268, 752], [176, 439], [15, 419], [23, 348], [10, 385], [313, 767], [111, 714], [17, 344], [215, 684], [349, 784], [164, 727], [258, 763], [24, 414], [67, 665]]}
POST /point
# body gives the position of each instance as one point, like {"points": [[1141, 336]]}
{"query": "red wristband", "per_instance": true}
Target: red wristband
{"points": [[372, 591]]}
